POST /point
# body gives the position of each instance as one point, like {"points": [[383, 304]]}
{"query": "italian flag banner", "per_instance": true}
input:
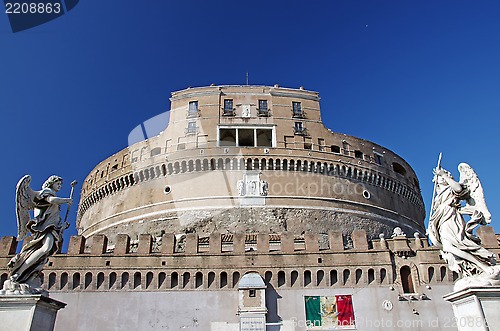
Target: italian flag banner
{"points": [[329, 312]]}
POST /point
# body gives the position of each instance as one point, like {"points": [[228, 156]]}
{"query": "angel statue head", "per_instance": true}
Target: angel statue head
{"points": [[51, 181]]}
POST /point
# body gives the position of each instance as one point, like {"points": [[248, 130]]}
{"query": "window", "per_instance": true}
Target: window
{"points": [[228, 107], [399, 168], [358, 154], [252, 293], [246, 136], [321, 144], [406, 280], [264, 138], [297, 109], [378, 158], [335, 149], [299, 128], [193, 108], [191, 128], [227, 137], [307, 143], [263, 110], [155, 151]]}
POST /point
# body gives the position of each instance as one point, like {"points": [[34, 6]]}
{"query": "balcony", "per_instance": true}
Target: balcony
{"points": [[298, 114], [298, 131], [263, 112], [228, 112]]}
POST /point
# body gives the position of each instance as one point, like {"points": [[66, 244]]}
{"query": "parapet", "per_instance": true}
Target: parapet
{"points": [[240, 243], [217, 243]]}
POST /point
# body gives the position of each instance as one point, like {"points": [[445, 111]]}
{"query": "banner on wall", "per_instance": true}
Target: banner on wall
{"points": [[329, 312]]}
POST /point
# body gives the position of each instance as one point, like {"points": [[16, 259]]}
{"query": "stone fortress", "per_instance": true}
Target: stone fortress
{"points": [[240, 209]]}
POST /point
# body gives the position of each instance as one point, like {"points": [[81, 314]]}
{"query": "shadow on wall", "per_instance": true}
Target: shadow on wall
{"points": [[272, 307]]}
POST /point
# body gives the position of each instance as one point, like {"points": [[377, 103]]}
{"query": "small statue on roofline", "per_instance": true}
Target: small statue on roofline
{"points": [[46, 228], [448, 230]]}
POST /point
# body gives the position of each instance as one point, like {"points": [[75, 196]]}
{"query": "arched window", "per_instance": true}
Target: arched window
{"points": [[64, 280], [359, 274], [398, 168], [125, 279], [174, 280], [100, 280], [236, 278], [52, 279], [198, 281], [186, 277], [320, 275], [383, 274], [346, 275], [333, 277], [161, 279], [281, 278], [371, 276], [443, 273], [149, 279], [112, 280], [307, 278], [211, 279], [88, 279], [406, 280], [76, 280], [268, 276], [3, 278], [223, 279], [430, 273], [137, 280], [293, 278]]}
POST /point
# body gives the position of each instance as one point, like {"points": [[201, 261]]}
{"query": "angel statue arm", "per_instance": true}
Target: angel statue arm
{"points": [[46, 228], [445, 175]]}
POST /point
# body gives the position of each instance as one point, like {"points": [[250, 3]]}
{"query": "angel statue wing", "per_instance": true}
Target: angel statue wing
{"points": [[476, 201], [24, 203]]}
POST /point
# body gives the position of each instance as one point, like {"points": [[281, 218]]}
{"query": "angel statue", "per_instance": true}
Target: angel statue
{"points": [[46, 229], [449, 231]]}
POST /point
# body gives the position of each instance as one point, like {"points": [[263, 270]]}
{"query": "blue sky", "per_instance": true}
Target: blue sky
{"points": [[418, 77]]}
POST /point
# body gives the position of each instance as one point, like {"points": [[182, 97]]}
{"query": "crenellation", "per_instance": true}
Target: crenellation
{"points": [[359, 239], [287, 242], [239, 243], [99, 244], [8, 246], [488, 237], [76, 245], [262, 243], [312, 242], [336, 239], [215, 243], [191, 243], [122, 244], [145, 244], [213, 269], [167, 243]]}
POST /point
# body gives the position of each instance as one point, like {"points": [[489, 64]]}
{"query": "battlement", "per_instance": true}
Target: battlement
{"points": [[178, 262], [217, 243]]}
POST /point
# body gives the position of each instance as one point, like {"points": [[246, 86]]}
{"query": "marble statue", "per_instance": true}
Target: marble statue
{"points": [[449, 231], [46, 228]]}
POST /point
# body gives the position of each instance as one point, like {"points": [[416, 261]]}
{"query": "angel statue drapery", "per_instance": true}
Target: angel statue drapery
{"points": [[448, 230], [46, 228]]}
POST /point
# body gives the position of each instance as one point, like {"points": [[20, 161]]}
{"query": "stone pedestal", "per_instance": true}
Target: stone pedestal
{"points": [[28, 312], [476, 308]]}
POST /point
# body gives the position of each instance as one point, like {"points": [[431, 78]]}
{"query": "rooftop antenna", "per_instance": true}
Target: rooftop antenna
{"points": [[247, 77]]}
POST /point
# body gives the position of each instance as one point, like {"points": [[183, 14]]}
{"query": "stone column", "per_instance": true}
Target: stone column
{"points": [[476, 308], [28, 312]]}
